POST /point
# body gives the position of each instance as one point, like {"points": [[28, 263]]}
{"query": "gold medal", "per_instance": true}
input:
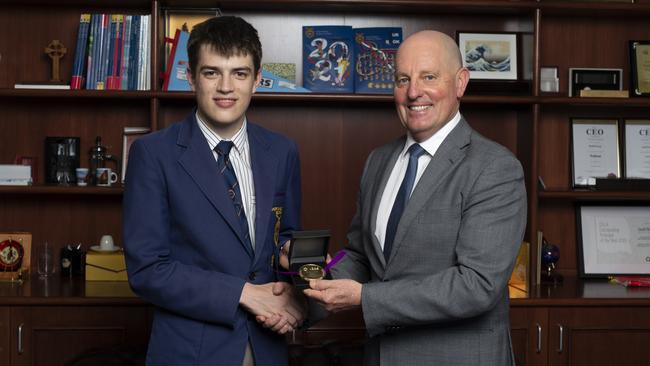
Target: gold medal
{"points": [[311, 272]]}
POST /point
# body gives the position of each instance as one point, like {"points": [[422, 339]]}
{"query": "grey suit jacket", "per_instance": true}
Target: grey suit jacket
{"points": [[442, 298]]}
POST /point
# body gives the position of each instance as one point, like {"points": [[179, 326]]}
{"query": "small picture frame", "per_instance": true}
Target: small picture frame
{"points": [[129, 135], [594, 79], [640, 68], [177, 18], [489, 56], [613, 240], [594, 150], [637, 148]]}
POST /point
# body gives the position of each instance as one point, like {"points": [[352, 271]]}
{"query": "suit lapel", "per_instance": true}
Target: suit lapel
{"points": [[264, 166], [198, 161], [385, 167], [449, 154]]}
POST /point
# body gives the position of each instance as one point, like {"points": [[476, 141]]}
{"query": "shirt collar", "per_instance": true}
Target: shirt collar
{"points": [[432, 144], [240, 139]]}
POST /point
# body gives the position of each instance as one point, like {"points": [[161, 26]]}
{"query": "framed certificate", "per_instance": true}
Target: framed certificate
{"points": [[595, 150], [613, 240], [637, 149], [640, 68]]}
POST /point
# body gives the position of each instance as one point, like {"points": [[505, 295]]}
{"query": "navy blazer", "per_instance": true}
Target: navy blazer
{"points": [[184, 250]]}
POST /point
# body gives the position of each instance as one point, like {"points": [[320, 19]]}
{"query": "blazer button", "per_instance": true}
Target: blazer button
{"points": [[251, 276]]}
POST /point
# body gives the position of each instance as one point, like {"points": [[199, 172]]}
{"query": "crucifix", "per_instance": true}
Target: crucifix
{"points": [[56, 50]]}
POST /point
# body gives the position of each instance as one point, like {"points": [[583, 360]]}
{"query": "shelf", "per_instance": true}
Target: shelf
{"points": [[62, 190], [366, 6], [76, 94], [594, 195], [577, 101]]}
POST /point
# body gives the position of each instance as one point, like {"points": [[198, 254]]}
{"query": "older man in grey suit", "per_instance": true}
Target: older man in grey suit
{"points": [[430, 271]]}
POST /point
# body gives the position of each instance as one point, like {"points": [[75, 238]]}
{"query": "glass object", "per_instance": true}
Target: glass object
{"points": [[45, 261], [550, 256]]}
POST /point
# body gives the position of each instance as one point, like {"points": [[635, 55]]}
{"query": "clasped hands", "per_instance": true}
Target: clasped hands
{"points": [[334, 295]]}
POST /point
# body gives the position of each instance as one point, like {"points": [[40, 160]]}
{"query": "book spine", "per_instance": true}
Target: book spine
{"points": [[133, 59], [114, 53], [124, 77], [170, 61], [92, 41], [77, 78], [105, 53]]}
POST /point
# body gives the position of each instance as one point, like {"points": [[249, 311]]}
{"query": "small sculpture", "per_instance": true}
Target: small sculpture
{"points": [[56, 50]]}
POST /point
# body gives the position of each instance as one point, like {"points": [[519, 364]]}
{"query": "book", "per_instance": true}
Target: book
{"points": [[129, 135], [95, 20], [104, 52], [518, 283], [375, 50], [126, 53], [79, 64], [178, 62], [42, 86], [270, 83], [115, 53], [328, 57]]}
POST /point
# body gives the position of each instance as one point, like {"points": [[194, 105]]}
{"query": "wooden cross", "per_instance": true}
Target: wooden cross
{"points": [[56, 50]]}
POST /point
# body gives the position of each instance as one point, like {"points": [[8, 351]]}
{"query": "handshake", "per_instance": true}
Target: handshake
{"points": [[280, 307]]}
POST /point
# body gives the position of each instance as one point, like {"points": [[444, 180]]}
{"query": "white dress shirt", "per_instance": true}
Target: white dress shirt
{"points": [[240, 158], [431, 145]]}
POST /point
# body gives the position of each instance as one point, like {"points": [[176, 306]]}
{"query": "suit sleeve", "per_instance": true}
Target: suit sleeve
{"points": [[492, 227], [291, 211], [183, 289], [355, 264]]}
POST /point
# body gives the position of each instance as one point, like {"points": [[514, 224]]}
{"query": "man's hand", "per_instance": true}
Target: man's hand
{"points": [[335, 295], [274, 304]]}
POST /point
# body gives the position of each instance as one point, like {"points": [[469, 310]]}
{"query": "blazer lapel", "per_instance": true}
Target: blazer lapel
{"points": [[264, 166], [449, 154], [198, 161], [386, 165]]}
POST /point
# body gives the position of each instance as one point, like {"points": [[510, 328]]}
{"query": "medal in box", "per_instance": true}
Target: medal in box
{"points": [[307, 256]]}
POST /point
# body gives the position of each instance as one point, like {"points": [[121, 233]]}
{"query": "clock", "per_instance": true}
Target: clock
{"points": [[11, 255]]}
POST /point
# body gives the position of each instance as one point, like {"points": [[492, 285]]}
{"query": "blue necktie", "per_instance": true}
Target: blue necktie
{"points": [[415, 151], [227, 171]]}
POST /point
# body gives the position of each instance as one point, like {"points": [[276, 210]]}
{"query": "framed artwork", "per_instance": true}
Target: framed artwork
{"points": [[489, 56], [613, 240]]}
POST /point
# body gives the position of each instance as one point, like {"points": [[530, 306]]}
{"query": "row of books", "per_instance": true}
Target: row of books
{"points": [[113, 52], [342, 59]]}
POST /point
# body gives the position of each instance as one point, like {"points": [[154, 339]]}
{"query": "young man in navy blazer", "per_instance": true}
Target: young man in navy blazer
{"points": [[200, 240]]}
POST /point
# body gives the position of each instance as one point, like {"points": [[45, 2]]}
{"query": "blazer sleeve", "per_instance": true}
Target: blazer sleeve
{"points": [[491, 229], [183, 289], [355, 264]]}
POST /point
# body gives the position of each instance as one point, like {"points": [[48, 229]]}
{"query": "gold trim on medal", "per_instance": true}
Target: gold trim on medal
{"points": [[311, 272]]}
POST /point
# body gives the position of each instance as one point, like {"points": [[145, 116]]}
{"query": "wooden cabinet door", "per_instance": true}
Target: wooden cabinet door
{"points": [[5, 334], [599, 336], [58, 335], [529, 335]]}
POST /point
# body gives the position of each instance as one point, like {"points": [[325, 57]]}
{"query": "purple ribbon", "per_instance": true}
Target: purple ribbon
{"points": [[339, 255]]}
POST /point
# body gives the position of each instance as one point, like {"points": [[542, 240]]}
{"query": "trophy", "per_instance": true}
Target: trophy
{"points": [[307, 256]]}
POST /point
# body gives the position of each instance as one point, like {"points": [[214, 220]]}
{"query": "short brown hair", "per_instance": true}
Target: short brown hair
{"points": [[228, 36]]}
